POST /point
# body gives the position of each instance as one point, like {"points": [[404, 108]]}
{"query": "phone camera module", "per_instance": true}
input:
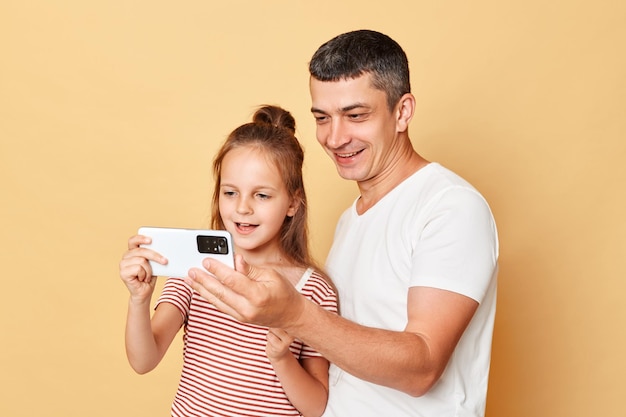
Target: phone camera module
{"points": [[212, 244]]}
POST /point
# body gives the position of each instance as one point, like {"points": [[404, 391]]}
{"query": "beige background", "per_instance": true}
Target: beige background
{"points": [[110, 113]]}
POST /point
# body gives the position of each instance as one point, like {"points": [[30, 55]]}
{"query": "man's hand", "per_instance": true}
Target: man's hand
{"points": [[249, 294]]}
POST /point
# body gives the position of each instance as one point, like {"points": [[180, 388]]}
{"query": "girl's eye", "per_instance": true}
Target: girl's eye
{"points": [[229, 193], [263, 196]]}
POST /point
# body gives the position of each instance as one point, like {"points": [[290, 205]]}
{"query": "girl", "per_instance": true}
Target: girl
{"points": [[232, 368]]}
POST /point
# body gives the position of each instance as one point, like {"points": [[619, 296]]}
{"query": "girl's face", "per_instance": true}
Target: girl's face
{"points": [[253, 203]]}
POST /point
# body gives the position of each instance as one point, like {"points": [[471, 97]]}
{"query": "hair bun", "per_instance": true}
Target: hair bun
{"points": [[275, 116]]}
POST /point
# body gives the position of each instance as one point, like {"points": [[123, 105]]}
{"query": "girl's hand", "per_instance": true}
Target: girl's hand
{"points": [[135, 270], [278, 342]]}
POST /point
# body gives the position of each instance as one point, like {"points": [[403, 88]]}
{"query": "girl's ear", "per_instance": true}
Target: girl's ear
{"points": [[294, 206]]}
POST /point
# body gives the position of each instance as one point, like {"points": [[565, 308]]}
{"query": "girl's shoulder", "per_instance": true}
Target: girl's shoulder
{"points": [[294, 273], [316, 286]]}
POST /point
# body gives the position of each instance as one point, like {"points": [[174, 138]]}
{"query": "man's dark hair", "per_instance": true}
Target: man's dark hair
{"points": [[355, 53]]}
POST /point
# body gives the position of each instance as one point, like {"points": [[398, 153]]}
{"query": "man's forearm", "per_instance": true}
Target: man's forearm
{"points": [[399, 360]]}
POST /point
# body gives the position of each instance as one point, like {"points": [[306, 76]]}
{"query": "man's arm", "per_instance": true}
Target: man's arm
{"points": [[410, 361]]}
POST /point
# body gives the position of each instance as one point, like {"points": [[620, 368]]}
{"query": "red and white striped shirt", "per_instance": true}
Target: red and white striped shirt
{"points": [[225, 369]]}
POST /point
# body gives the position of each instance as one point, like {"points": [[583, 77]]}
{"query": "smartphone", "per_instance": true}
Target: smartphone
{"points": [[186, 248]]}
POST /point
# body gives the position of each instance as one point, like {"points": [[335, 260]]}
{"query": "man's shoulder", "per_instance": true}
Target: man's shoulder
{"points": [[442, 176]]}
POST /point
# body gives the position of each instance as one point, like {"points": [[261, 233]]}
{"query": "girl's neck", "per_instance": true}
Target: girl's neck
{"points": [[273, 260], [262, 257]]}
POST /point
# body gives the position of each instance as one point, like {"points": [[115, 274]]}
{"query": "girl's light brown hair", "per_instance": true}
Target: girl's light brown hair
{"points": [[272, 132]]}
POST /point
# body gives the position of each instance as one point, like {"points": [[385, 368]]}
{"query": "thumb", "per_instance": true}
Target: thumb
{"points": [[241, 265]]}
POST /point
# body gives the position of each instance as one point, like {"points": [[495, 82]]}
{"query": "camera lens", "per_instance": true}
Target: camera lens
{"points": [[221, 245]]}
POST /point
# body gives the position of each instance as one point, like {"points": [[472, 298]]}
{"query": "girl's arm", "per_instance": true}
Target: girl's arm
{"points": [[306, 383], [147, 339]]}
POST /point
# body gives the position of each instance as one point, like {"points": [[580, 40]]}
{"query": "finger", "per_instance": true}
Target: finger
{"points": [[237, 280], [133, 260], [135, 271], [137, 266], [272, 339], [277, 332], [135, 248], [140, 272], [145, 253], [281, 334], [233, 279], [248, 270], [212, 290], [241, 265], [137, 240], [219, 269]]}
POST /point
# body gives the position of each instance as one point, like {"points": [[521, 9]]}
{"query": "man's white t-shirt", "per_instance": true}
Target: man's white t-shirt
{"points": [[433, 230]]}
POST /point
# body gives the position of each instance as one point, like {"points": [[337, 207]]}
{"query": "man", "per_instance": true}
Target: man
{"points": [[414, 258]]}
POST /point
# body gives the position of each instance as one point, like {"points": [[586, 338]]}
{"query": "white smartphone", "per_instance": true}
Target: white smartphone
{"points": [[186, 248]]}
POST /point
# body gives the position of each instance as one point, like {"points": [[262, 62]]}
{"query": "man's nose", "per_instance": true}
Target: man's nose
{"points": [[337, 135]]}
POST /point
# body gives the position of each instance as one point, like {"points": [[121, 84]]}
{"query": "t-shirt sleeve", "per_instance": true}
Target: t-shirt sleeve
{"points": [[321, 293], [176, 292], [458, 247]]}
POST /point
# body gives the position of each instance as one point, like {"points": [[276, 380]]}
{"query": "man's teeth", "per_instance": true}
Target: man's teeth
{"points": [[347, 155]]}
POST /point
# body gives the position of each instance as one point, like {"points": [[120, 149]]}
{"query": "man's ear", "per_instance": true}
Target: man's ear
{"points": [[405, 111]]}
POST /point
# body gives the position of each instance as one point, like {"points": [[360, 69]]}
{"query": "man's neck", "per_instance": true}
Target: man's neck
{"points": [[372, 191]]}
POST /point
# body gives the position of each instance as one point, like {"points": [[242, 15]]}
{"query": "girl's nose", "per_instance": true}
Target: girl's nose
{"points": [[243, 206]]}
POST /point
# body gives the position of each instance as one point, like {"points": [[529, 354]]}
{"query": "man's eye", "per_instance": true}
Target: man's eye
{"points": [[321, 119]]}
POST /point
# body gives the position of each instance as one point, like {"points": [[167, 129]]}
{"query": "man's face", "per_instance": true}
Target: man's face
{"points": [[355, 127]]}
